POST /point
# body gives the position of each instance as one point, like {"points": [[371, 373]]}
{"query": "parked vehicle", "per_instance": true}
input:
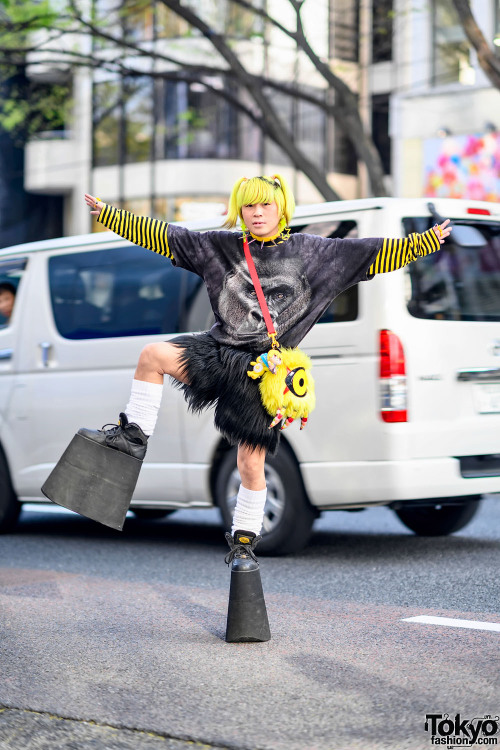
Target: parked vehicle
{"points": [[407, 371]]}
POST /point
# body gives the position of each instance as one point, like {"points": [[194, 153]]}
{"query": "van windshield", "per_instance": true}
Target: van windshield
{"points": [[462, 281]]}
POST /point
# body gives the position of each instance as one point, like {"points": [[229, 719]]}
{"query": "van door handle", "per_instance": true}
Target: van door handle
{"points": [[6, 353], [479, 374], [45, 346]]}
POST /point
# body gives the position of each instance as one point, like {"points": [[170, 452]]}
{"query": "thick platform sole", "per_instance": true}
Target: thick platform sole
{"points": [[95, 481], [247, 620]]}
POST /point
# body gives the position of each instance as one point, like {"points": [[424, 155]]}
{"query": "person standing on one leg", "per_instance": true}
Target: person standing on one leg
{"points": [[299, 275]]}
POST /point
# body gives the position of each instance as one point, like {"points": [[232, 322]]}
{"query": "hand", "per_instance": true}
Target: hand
{"points": [[442, 231], [94, 203]]}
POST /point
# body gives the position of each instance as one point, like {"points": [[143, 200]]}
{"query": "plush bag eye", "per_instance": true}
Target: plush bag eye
{"points": [[296, 382]]}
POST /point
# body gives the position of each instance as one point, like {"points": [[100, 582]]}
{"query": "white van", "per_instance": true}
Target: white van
{"points": [[407, 370]]}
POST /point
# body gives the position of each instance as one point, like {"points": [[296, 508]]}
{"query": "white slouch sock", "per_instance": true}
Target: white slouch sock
{"points": [[144, 404], [249, 511]]}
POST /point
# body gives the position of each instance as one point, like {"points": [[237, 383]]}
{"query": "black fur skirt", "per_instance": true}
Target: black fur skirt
{"points": [[217, 376]]}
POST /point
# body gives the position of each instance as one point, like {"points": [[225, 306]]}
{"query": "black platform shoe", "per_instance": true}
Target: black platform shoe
{"points": [[241, 545], [246, 613], [125, 436]]}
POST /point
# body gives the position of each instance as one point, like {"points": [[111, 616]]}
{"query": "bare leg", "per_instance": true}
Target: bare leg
{"points": [[249, 511], [138, 421], [157, 360], [251, 467]]}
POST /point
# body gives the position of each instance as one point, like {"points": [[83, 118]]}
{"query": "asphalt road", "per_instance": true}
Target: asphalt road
{"points": [[116, 641]]}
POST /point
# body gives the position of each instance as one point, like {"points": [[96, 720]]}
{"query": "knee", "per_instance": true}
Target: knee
{"points": [[149, 356], [251, 465]]}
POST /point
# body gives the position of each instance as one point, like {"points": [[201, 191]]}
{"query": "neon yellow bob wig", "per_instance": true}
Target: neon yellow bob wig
{"points": [[247, 192]]}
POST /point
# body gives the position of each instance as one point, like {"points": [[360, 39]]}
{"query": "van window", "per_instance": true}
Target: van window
{"points": [[462, 280], [196, 312], [11, 272], [122, 291], [344, 307]]}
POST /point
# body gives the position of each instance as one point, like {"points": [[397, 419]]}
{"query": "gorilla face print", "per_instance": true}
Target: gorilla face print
{"points": [[285, 288]]}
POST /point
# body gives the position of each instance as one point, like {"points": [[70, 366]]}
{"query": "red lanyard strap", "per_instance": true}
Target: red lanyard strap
{"points": [[271, 331]]}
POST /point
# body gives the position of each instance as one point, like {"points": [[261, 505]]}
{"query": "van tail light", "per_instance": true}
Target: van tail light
{"points": [[393, 391], [479, 211]]}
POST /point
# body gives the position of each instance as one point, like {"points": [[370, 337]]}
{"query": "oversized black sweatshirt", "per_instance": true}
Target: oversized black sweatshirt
{"points": [[300, 274]]}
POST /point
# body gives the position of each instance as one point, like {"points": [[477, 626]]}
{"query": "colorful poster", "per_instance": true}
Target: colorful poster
{"points": [[464, 166]]}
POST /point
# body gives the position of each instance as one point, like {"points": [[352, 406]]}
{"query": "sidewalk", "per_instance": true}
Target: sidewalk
{"points": [[28, 730]]}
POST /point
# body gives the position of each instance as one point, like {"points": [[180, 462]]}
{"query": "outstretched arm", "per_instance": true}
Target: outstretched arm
{"points": [[397, 253], [141, 230]]}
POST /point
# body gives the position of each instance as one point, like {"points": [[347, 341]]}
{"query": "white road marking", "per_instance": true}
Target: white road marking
{"points": [[450, 622]]}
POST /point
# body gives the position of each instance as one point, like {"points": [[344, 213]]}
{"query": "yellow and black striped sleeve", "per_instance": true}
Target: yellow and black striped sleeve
{"points": [[399, 252], [141, 230]]}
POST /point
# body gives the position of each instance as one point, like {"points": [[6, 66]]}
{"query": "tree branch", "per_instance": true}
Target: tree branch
{"points": [[275, 127], [346, 111], [486, 56]]}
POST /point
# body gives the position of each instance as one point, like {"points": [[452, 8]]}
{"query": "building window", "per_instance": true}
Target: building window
{"points": [[344, 29], [212, 125], [310, 131], [107, 15], [306, 124], [451, 48], [138, 119], [345, 160], [107, 120], [382, 23], [341, 154], [496, 37], [242, 23], [283, 105], [168, 25], [250, 136], [138, 21], [380, 129], [199, 124]]}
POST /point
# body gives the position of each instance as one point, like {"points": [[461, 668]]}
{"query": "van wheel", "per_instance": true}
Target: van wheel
{"points": [[288, 515], [440, 520], [9, 505], [151, 514]]}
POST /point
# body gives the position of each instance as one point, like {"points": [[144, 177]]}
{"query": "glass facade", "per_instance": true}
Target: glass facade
{"points": [[308, 125], [241, 23], [138, 114], [107, 119], [145, 20], [137, 119], [197, 123], [168, 25], [380, 129], [344, 29], [342, 157], [496, 32], [451, 62], [141, 119], [383, 14], [139, 21]]}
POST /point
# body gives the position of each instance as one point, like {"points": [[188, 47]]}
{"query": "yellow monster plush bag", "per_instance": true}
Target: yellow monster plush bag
{"points": [[286, 383]]}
